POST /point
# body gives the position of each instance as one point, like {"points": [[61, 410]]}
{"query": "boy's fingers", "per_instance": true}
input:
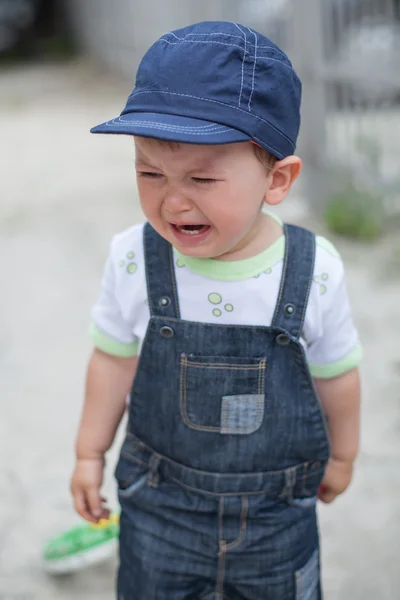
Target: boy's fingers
{"points": [[81, 506], [94, 502]]}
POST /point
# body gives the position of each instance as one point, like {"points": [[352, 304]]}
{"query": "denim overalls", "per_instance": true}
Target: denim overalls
{"points": [[226, 446]]}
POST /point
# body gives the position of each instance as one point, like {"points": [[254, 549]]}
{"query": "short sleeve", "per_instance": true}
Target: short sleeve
{"points": [[334, 348], [109, 330]]}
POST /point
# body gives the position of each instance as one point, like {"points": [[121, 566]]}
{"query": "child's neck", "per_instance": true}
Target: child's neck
{"points": [[267, 232]]}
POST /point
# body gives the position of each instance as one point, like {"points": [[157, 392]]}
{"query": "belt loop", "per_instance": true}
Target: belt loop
{"points": [[290, 482], [154, 476], [304, 478]]}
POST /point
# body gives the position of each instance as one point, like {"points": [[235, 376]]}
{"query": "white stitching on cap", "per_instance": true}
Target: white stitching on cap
{"points": [[134, 93], [230, 35], [243, 61], [183, 127], [163, 127], [183, 41], [206, 34], [223, 44], [254, 69]]}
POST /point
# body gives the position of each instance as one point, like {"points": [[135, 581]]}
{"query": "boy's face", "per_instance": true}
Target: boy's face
{"points": [[205, 200]]}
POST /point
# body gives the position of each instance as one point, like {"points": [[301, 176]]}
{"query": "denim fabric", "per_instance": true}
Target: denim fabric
{"points": [[225, 449]]}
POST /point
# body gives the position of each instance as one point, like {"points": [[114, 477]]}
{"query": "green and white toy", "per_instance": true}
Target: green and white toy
{"points": [[82, 546]]}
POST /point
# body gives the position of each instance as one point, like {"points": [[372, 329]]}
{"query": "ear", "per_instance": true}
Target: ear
{"points": [[283, 175]]}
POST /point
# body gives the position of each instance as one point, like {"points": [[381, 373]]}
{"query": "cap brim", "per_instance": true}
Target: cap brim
{"points": [[172, 128]]}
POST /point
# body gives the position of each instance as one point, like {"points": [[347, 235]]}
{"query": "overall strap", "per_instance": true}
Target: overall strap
{"points": [[297, 277], [160, 275]]}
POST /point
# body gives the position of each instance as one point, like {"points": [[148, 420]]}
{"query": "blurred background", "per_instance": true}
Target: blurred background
{"points": [[67, 65]]}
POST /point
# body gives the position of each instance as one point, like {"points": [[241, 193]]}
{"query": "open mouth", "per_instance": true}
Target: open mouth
{"points": [[191, 229]]}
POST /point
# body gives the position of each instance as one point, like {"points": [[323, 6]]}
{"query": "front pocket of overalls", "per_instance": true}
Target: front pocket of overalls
{"points": [[131, 474], [222, 394], [307, 579]]}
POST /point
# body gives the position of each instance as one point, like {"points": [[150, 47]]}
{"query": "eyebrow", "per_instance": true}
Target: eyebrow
{"points": [[144, 162], [207, 167]]}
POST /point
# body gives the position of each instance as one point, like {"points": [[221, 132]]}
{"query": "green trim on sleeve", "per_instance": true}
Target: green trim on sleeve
{"points": [[351, 361], [110, 346]]}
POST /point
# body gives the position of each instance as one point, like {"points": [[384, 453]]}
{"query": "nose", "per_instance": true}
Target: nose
{"points": [[176, 202]]}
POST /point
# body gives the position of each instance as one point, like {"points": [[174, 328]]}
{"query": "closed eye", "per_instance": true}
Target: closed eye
{"points": [[203, 180], [149, 174]]}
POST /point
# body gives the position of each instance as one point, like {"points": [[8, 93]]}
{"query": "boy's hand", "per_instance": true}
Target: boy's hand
{"points": [[336, 480], [85, 487]]}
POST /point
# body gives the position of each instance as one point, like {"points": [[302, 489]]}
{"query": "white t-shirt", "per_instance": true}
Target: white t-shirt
{"points": [[239, 292]]}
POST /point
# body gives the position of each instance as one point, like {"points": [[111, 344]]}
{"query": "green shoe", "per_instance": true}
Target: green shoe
{"points": [[82, 546]]}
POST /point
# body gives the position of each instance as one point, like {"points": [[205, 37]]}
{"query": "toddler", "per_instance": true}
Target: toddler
{"points": [[231, 331]]}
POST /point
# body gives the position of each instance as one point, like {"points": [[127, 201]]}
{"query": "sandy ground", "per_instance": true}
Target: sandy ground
{"points": [[63, 194]]}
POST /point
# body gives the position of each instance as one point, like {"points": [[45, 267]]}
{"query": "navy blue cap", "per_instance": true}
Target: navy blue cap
{"points": [[214, 83]]}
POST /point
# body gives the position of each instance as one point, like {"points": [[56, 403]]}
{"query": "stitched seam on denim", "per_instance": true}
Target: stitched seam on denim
{"points": [[173, 280], [153, 475], [290, 482], [223, 366], [211, 358], [243, 61], [283, 279], [220, 475], [239, 398], [209, 428], [132, 393], [261, 379], [132, 456], [183, 128], [221, 573], [221, 553], [243, 525], [254, 70], [134, 93], [230, 35], [220, 520], [311, 275], [183, 403], [297, 468], [183, 41], [299, 586], [138, 367], [303, 479], [214, 494], [161, 127], [151, 308]]}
